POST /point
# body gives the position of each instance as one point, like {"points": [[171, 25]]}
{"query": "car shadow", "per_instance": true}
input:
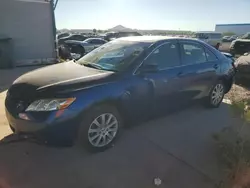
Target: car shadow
{"points": [[8, 76], [142, 153]]}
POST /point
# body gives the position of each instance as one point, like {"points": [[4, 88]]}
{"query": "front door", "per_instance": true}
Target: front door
{"points": [[164, 81]]}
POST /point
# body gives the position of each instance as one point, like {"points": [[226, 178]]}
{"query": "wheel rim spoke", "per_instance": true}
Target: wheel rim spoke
{"points": [[94, 137], [93, 130], [111, 124], [103, 121], [98, 140], [104, 139], [109, 119], [112, 129], [109, 136], [96, 123]]}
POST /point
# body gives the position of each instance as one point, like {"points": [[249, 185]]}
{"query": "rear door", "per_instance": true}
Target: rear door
{"points": [[200, 67]]}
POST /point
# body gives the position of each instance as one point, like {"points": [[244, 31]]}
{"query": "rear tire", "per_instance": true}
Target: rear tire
{"points": [[100, 128], [216, 95]]}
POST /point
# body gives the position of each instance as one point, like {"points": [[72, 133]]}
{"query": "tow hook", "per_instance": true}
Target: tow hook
{"points": [[12, 138]]}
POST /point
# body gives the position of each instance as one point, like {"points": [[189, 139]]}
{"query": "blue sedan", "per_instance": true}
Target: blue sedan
{"points": [[88, 101]]}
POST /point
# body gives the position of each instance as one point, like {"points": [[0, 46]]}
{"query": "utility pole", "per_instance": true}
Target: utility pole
{"points": [[55, 4]]}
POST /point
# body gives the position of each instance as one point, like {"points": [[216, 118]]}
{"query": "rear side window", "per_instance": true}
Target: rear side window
{"points": [[210, 55], [166, 56], [192, 53]]}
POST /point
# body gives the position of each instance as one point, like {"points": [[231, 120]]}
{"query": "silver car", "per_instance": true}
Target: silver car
{"points": [[83, 47]]}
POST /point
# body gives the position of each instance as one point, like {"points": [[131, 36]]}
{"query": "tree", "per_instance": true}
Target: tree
{"points": [[94, 30], [228, 34]]}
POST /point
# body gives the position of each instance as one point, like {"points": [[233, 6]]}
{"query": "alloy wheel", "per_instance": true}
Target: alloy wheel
{"points": [[103, 130], [217, 94]]}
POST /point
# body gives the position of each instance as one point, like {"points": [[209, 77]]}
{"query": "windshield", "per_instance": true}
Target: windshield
{"points": [[246, 36], [114, 56]]}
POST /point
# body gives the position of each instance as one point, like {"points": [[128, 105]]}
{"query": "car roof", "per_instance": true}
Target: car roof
{"points": [[94, 39], [151, 38]]}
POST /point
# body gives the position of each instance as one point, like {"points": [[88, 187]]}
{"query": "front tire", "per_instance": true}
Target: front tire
{"points": [[100, 128], [216, 95]]}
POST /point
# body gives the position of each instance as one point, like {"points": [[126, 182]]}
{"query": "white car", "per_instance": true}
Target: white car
{"points": [[212, 38]]}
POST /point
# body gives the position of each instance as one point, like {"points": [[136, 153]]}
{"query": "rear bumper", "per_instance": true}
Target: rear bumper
{"points": [[52, 130]]}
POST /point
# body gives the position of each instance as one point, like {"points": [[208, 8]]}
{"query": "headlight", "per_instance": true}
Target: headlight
{"points": [[50, 104]]}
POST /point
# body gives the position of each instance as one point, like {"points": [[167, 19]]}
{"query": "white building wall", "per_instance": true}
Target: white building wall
{"points": [[30, 25], [238, 29]]}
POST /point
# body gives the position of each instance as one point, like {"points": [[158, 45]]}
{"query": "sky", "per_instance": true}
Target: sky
{"points": [[194, 15]]}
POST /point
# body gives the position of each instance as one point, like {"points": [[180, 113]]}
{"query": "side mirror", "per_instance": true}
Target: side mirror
{"points": [[149, 67]]}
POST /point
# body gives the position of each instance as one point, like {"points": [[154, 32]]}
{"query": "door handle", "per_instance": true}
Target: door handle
{"points": [[216, 66], [180, 74]]}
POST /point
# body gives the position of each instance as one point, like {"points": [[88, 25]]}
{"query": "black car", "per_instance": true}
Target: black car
{"points": [[89, 101], [71, 37], [62, 35]]}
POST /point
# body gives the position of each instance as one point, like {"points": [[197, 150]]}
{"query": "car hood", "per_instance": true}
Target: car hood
{"points": [[242, 40], [64, 76], [227, 54]]}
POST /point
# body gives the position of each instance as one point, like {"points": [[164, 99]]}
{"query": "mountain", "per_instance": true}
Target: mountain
{"points": [[120, 28]]}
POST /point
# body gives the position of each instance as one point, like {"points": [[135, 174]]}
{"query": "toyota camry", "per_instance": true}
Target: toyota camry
{"points": [[88, 101]]}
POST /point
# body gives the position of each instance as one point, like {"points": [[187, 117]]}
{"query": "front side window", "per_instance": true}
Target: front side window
{"points": [[95, 41], [90, 40], [166, 56], [192, 53], [114, 56]]}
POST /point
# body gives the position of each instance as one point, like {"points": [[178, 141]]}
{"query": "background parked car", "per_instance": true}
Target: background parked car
{"points": [[83, 47], [226, 39], [229, 38], [113, 35], [71, 37], [62, 35], [246, 36], [243, 69], [240, 47], [212, 38]]}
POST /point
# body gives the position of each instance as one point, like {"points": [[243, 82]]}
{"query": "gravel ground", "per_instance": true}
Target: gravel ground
{"points": [[238, 93]]}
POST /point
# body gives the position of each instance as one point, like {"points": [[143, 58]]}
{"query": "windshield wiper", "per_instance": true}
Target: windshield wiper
{"points": [[96, 66], [93, 65]]}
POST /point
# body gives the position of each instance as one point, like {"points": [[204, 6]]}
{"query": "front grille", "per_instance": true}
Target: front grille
{"points": [[19, 94]]}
